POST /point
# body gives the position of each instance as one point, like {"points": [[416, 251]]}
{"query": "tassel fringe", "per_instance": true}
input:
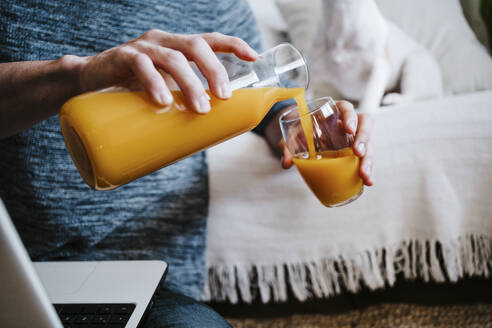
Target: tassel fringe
{"points": [[470, 255]]}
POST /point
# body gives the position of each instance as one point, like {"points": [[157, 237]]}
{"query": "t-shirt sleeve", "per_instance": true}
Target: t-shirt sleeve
{"points": [[236, 18]]}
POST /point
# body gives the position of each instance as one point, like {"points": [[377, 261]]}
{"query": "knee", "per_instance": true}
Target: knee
{"points": [[175, 310], [207, 317]]}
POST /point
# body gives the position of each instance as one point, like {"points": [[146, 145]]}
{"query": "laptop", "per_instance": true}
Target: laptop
{"points": [[98, 294]]}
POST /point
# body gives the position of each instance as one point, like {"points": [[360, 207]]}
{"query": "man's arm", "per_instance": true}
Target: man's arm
{"points": [[33, 91]]}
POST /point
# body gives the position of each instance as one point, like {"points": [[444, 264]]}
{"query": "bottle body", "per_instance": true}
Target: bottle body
{"points": [[116, 137]]}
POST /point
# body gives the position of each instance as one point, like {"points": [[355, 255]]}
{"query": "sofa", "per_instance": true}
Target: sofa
{"points": [[429, 215]]}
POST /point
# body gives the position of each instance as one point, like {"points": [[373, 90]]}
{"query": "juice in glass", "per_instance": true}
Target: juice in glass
{"points": [[323, 155], [333, 176]]}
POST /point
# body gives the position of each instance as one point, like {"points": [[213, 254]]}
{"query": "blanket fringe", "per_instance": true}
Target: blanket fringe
{"points": [[439, 261]]}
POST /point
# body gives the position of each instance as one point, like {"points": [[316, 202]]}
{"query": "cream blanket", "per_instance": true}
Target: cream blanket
{"points": [[428, 216]]}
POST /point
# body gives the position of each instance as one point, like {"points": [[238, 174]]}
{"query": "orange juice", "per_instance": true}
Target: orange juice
{"points": [[306, 123], [116, 137], [333, 176]]}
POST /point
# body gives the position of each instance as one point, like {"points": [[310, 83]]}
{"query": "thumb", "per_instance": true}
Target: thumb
{"points": [[286, 155]]}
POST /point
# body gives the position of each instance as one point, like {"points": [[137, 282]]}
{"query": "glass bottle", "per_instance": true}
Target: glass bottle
{"points": [[115, 136]]}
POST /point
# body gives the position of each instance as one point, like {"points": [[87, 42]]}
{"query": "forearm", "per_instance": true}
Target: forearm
{"points": [[33, 91]]}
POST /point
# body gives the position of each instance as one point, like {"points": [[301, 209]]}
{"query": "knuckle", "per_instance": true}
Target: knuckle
{"points": [[125, 51], [174, 57], [150, 34], [139, 44], [138, 59], [196, 42], [215, 35]]}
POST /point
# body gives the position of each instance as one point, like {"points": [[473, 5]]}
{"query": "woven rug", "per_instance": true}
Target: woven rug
{"points": [[385, 315]]}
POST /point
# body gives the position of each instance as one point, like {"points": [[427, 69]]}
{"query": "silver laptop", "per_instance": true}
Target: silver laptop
{"points": [[72, 294]]}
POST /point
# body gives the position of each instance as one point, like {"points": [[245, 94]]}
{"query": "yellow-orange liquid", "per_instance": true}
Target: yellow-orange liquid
{"points": [[333, 176], [116, 137], [306, 123]]}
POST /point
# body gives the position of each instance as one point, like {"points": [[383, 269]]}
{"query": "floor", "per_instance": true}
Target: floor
{"points": [[407, 304]]}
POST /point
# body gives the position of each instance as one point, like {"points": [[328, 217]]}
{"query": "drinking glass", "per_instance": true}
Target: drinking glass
{"points": [[332, 172]]}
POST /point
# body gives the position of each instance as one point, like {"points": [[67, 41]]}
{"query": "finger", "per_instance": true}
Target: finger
{"points": [[366, 167], [217, 41], [286, 157], [224, 43], [176, 64], [195, 48], [145, 71], [363, 134], [349, 116]]}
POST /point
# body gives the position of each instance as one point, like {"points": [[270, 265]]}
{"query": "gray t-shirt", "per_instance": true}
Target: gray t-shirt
{"points": [[160, 216]]}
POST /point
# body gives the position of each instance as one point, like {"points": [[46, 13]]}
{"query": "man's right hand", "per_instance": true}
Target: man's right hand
{"points": [[157, 49]]}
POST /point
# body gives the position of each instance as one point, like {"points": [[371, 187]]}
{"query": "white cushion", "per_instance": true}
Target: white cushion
{"points": [[441, 27]]}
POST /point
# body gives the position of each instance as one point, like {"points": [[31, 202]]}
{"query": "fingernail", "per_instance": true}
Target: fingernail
{"points": [[203, 104], [351, 125], [165, 98], [225, 91], [361, 147]]}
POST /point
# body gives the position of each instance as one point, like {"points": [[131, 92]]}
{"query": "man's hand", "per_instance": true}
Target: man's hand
{"points": [[359, 125], [157, 49]]}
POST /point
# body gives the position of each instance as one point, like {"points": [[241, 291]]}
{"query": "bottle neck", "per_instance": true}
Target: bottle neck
{"points": [[274, 79]]}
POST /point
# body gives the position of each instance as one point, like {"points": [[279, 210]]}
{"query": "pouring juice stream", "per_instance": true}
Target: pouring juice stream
{"points": [[306, 122]]}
